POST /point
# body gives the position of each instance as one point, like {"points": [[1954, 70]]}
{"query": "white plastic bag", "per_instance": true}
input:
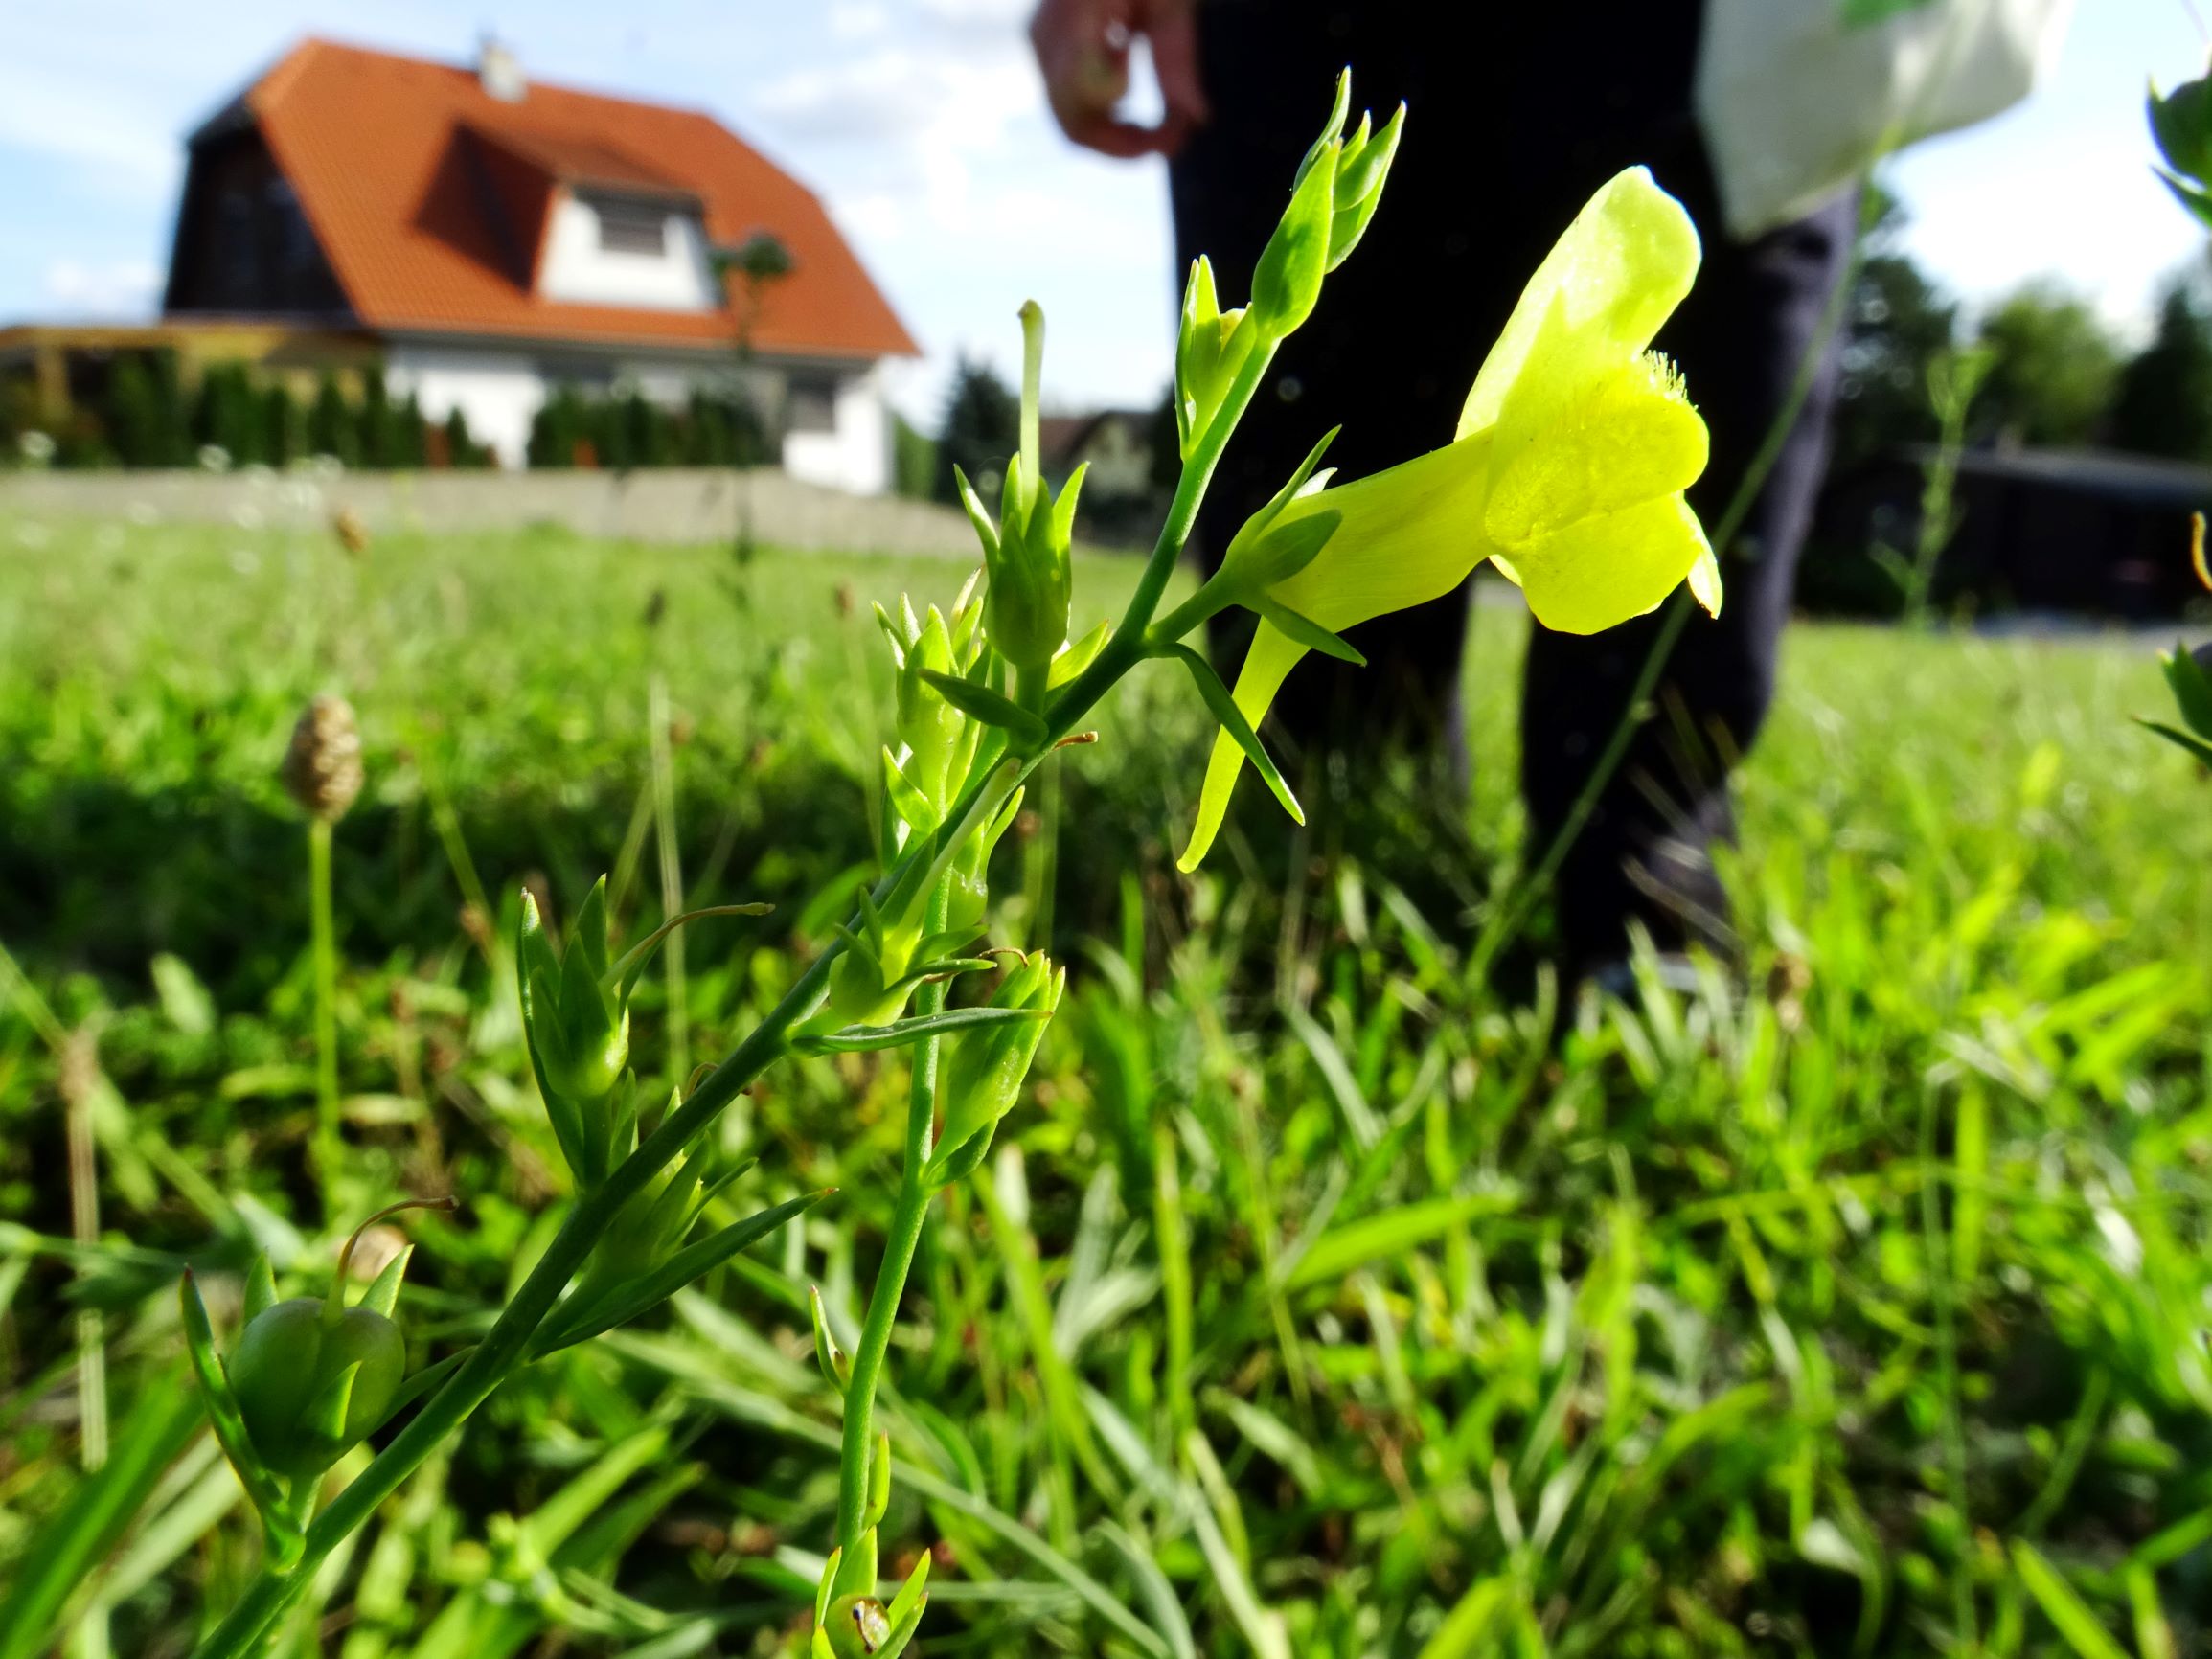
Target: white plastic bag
{"points": [[1795, 102]]}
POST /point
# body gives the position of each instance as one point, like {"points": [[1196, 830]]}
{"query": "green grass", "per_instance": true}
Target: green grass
{"points": [[1321, 1302]]}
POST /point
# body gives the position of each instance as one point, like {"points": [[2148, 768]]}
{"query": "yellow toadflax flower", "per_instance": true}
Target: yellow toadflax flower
{"points": [[1567, 472]]}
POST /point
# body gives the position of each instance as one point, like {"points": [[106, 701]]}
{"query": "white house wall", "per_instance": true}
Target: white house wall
{"points": [[498, 392], [857, 456], [576, 267]]}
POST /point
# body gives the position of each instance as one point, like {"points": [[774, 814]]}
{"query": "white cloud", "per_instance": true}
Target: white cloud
{"points": [[107, 288], [857, 20]]}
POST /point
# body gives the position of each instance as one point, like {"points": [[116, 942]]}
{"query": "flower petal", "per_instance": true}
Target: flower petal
{"points": [[1403, 537], [1266, 666], [1633, 438], [1601, 294], [1592, 576]]}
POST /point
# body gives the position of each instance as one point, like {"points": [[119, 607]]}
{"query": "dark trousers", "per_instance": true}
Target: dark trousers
{"points": [[1515, 114]]}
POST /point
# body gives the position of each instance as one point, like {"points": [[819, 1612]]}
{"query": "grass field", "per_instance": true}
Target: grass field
{"points": [[1319, 1303]]}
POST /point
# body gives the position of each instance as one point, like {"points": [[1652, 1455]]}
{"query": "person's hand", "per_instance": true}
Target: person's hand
{"points": [[1082, 47]]}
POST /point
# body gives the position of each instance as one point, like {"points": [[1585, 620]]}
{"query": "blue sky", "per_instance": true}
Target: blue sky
{"points": [[921, 124]]}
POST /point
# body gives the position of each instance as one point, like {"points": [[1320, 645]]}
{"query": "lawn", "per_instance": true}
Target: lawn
{"points": [[1320, 1298]]}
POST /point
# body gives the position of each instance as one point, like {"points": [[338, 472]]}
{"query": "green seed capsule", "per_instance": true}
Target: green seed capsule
{"points": [[857, 1627], [289, 1362]]}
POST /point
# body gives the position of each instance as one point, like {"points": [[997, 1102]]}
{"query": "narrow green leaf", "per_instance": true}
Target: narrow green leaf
{"points": [[2196, 746], [866, 1038], [837, 1365], [991, 708], [1078, 655], [641, 1296], [2064, 1606], [222, 1405], [624, 974], [1311, 634], [1223, 707], [424, 1380], [67, 1547], [1390, 1233], [2192, 690]]}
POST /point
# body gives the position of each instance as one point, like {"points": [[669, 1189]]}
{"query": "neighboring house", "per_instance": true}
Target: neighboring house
{"points": [[2042, 530], [1120, 499], [497, 237]]}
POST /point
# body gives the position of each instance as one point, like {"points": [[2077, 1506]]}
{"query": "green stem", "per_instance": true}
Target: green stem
{"points": [[907, 1217], [1126, 649], [326, 954], [505, 1345]]}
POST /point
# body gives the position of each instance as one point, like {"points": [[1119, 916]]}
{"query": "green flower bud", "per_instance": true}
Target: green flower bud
{"points": [[1026, 557], [858, 1626], [1361, 168], [1211, 347], [936, 739], [1339, 186], [984, 1072], [1287, 284], [575, 1019]]}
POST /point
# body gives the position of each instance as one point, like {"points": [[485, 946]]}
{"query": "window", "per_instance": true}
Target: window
{"points": [[811, 404], [631, 227]]}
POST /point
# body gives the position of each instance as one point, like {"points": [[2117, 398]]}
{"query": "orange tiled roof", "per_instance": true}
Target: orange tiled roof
{"points": [[373, 146]]}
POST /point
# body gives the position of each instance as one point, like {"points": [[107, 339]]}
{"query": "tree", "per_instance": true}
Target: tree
{"points": [[2052, 369], [981, 431], [2163, 402], [283, 432], [331, 428], [913, 459], [1896, 322]]}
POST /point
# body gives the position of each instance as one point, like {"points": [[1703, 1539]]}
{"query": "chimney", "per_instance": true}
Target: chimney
{"points": [[500, 72]]}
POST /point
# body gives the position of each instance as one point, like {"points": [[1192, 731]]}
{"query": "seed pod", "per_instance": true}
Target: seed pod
{"points": [[858, 1626], [322, 768], [311, 1388], [312, 1378]]}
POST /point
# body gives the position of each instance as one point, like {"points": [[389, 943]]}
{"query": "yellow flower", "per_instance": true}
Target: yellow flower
{"points": [[1567, 472]]}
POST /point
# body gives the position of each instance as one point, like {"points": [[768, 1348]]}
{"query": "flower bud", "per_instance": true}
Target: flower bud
{"points": [[577, 1022], [1025, 608], [1361, 168], [1287, 282], [321, 769], [935, 737], [984, 1072], [1211, 347]]}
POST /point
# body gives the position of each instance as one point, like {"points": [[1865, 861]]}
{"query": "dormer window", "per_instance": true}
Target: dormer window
{"points": [[627, 225]]}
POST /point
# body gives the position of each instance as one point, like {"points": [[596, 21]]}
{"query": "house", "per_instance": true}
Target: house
{"points": [[2080, 531], [496, 238], [1123, 496]]}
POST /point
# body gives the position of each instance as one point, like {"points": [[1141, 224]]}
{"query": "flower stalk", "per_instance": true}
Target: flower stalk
{"points": [[985, 695]]}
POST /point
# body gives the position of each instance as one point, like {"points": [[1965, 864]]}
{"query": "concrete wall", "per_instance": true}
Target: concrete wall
{"points": [[676, 505]]}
